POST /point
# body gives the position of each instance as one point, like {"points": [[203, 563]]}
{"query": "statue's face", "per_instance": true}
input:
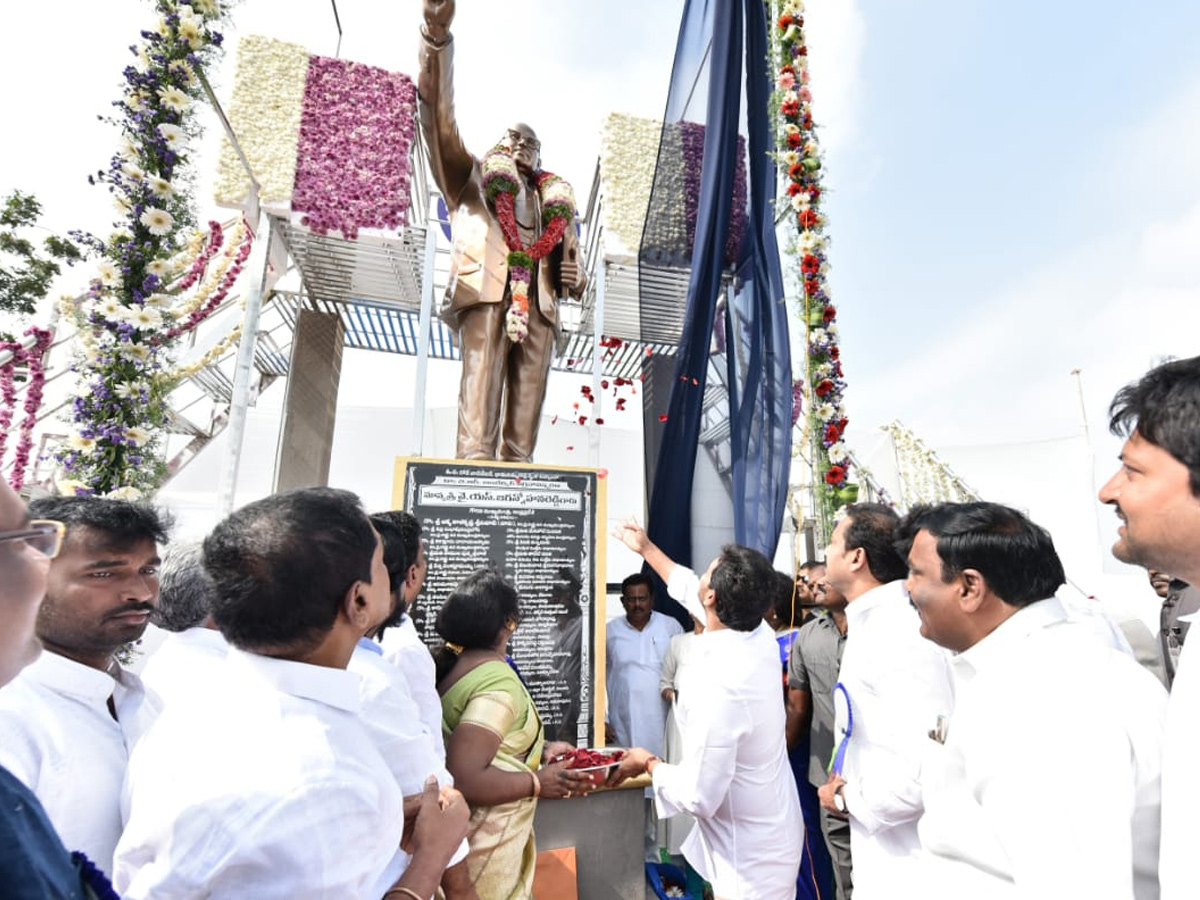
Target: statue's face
{"points": [[525, 147]]}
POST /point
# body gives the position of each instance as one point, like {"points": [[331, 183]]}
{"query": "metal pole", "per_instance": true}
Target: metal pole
{"points": [[597, 368], [1078, 374], [244, 368], [425, 324]]}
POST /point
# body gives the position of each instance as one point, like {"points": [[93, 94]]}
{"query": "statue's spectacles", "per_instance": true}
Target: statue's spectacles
{"points": [[520, 140]]}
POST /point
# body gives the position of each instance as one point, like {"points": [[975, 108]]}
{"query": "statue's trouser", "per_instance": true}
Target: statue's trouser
{"points": [[491, 362]]}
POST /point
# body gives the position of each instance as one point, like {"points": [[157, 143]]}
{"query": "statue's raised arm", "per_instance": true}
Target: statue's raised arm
{"points": [[449, 159]]}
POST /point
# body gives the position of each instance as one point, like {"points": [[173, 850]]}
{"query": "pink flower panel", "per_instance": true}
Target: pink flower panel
{"points": [[352, 162]]}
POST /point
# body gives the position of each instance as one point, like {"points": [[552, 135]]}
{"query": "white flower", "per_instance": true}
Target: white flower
{"points": [[143, 317], [824, 370], [129, 149], [825, 412], [139, 436], [110, 308], [173, 98], [160, 267], [190, 31], [172, 134], [824, 269], [832, 329], [160, 187], [790, 97], [808, 241], [186, 12], [837, 452], [133, 170], [126, 492], [791, 158], [800, 202], [110, 275], [139, 352], [125, 390], [80, 443], [68, 487], [158, 221], [207, 7], [817, 335], [121, 202]]}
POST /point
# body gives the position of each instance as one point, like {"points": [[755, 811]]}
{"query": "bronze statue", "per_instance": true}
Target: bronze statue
{"points": [[515, 252]]}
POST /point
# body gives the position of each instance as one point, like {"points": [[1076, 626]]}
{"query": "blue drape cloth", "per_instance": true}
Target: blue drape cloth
{"points": [[720, 41]]}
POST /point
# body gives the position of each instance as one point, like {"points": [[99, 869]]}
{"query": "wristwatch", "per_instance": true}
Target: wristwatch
{"points": [[839, 799]]}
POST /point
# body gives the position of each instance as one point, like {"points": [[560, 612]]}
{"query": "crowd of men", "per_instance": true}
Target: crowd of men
{"points": [[975, 734]]}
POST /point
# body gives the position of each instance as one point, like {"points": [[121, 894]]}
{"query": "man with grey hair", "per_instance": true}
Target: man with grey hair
{"points": [[176, 671]]}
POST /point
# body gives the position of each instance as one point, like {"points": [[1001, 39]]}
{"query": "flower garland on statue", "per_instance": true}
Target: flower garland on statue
{"points": [[501, 181], [120, 409], [799, 157]]}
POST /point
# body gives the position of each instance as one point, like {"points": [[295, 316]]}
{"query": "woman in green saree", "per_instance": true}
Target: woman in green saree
{"points": [[495, 745]]}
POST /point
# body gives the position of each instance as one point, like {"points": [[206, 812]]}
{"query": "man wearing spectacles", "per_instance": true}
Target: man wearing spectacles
{"points": [[34, 863], [499, 371], [68, 721]]}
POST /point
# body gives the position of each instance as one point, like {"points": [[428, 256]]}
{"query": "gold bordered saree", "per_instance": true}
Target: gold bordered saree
{"points": [[503, 854]]}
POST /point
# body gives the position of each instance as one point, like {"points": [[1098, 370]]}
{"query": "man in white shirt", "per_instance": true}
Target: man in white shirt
{"points": [[69, 721], [1156, 494], [182, 666], [271, 787], [402, 646], [390, 713], [898, 685], [635, 648], [1048, 714], [734, 775]]}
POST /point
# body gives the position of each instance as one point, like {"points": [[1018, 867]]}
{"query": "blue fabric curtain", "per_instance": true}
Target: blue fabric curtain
{"points": [[720, 41]]}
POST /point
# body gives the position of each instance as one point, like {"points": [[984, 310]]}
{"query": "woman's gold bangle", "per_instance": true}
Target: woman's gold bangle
{"points": [[537, 785], [402, 890]]}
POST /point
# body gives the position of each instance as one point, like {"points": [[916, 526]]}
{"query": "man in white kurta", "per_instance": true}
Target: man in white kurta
{"points": [[899, 685], [1047, 784], [734, 776], [1156, 495], [636, 647]]}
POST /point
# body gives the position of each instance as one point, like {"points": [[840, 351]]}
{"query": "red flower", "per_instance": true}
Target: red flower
{"points": [[789, 69], [802, 51], [842, 423], [796, 171], [815, 192], [808, 218], [832, 433], [794, 189], [828, 314], [811, 286], [836, 475], [790, 108], [604, 384], [810, 265], [785, 22], [824, 387], [834, 352], [807, 123], [794, 140]]}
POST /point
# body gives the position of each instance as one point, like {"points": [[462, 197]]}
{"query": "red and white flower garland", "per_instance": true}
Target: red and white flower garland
{"points": [[800, 157], [501, 181]]}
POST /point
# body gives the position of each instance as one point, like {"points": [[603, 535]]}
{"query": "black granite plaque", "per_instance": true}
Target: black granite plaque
{"points": [[538, 526]]}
